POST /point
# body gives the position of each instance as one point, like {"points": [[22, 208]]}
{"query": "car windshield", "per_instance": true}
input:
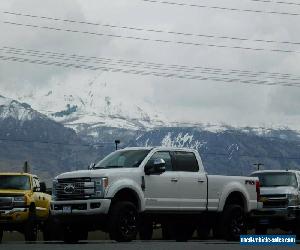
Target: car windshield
{"points": [[19, 182], [276, 179], [123, 159]]}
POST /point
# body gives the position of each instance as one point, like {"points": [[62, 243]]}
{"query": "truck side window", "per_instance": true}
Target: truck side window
{"points": [[162, 155], [185, 161]]}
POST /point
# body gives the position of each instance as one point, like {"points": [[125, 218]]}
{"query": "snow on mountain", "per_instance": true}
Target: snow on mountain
{"points": [[92, 104], [10, 108]]}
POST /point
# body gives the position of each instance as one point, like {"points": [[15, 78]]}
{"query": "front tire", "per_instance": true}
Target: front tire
{"points": [[31, 226], [233, 222], [123, 223]]}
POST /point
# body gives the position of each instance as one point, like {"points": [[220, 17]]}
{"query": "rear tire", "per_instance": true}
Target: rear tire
{"points": [[123, 223], [31, 226], [233, 222]]}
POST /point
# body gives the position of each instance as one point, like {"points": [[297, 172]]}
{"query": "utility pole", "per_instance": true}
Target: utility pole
{"points": [[117, 142], [26, 168], [258, 165]]}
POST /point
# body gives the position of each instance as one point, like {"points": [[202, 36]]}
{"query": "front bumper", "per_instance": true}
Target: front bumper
{"points": [[14, 215], [288, 212], [275, 216], [80, 207]]}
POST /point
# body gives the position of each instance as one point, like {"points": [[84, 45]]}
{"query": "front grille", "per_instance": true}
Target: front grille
{"points": [[72, 189], [275, 201], [6, 202]]}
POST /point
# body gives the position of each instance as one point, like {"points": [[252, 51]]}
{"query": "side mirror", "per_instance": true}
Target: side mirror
{"points": [[158, 167], [91, 166], [43, 187]]}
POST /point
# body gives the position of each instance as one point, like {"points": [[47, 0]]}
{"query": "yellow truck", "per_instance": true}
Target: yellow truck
{"points": [[24, 205]]}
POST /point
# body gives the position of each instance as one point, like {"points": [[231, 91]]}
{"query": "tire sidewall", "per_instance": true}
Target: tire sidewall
{"points": [[120, 210], [31, 225], [231, 215]]}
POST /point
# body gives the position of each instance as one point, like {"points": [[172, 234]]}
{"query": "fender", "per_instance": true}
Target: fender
{"points": [[230, 188], [130, 184]]}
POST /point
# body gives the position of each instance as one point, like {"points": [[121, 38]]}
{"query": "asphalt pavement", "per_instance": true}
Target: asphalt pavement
{"points": [[135, 245]]}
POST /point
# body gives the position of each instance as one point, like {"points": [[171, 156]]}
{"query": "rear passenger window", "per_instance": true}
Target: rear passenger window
{"points": [[185, 161]]}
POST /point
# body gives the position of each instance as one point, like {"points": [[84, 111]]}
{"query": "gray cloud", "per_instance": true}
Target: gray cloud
{"points": [[179, 99]]}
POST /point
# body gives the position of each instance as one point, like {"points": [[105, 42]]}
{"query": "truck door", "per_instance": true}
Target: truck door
{"points": [[192, 183], [161, 191]]}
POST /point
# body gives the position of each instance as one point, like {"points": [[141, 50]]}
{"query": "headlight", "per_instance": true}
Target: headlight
{"points": [[293, 199], [100, 186], [54, 184]]}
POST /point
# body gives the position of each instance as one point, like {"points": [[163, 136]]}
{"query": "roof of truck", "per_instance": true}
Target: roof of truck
{"points": [[276, 171], [159, 148], [17, 173]]}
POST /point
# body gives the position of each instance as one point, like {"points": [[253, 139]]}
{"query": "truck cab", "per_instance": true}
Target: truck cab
{"points": [[280, 195], [24, 205]]}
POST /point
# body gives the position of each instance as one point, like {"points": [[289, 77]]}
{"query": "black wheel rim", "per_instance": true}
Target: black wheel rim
{"points": [[237, 225], [128, 223]]}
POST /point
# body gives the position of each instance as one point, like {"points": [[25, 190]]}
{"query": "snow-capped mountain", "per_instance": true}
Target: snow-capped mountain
{"points": [[90, 106], [13, 109]]}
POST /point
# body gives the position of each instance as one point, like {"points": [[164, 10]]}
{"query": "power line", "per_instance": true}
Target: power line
{"points": [[143, 64], [149, 39], [277, 2], [252, 156], [56, 143], [142, 72], [152, 30], [181, 4]]}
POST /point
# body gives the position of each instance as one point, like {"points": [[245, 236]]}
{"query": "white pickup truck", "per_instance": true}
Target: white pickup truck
{"points": [[134, 190]]}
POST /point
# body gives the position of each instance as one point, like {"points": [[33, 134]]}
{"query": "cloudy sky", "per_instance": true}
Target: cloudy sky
{"points": [[179, 99]]}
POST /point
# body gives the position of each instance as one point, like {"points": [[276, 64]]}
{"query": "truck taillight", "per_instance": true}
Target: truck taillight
{"points": [[257, 184]]}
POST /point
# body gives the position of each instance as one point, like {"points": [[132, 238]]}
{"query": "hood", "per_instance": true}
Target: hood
{"points": [[96, 173], [12, 192], [277, 190]]}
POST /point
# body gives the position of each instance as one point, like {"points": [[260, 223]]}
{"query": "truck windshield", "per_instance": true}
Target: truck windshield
{"points": [[276, 179], [123, 159], [19, 182]]}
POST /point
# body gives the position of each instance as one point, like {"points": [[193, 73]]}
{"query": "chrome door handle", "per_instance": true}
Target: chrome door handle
{"points": [[174, 179], [200, 180]]}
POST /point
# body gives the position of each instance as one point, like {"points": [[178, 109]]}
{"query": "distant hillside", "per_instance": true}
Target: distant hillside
{"points": [[231, 152], [49, 147]]}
